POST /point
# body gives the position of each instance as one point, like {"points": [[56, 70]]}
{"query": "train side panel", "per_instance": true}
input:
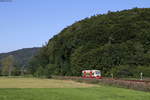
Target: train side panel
{"points": [[91, 74]]}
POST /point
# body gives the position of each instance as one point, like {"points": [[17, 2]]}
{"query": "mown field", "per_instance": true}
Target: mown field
{"points": [[40, 83], [49, 89]]}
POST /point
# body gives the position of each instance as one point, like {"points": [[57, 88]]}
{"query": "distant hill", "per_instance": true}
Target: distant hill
{"points": [[116, 42], [22, 56]]}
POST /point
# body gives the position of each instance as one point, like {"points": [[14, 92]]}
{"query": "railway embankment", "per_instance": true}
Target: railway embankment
{"points": [[130, 84]]}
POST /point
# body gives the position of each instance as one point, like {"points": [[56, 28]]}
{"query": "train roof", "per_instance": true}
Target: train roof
{"points": [[91, 70]]}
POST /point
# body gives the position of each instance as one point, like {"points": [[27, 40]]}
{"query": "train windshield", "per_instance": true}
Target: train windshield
{"points": [[98, 73]]}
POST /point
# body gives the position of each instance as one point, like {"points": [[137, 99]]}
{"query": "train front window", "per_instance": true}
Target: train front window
{"points": [[98, 73]]}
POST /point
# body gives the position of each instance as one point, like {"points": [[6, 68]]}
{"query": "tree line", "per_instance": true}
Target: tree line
{"points": [[16, 62], [9, 67], [116, 42]]}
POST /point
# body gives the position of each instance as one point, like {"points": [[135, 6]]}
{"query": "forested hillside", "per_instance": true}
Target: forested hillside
{"points": [[116, 42], [22, 56]]}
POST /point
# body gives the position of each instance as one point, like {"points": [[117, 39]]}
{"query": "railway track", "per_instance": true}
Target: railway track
{"points": [[143, 81], [142, 85], [119, 79], [106, 78]]}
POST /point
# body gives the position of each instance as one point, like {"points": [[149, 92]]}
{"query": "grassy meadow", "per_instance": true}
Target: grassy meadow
{"points": [[50, 89], [40, 83]]}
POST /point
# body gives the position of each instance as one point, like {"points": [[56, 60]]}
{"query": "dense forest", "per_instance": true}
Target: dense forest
{"points": [[17, 60], [116, 42]]}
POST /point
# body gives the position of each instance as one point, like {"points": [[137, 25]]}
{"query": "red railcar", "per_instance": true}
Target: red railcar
{"points": [[91, 74]]}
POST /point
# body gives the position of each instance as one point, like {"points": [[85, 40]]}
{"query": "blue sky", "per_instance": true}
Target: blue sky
{"points": [[31, 23]]}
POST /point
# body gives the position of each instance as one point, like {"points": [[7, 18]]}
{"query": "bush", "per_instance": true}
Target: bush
{"points": [[122, 71], [144, 69]]}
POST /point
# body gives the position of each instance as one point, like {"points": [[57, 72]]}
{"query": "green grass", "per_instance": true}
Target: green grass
{"points": [[46, 89], [99, 93]]}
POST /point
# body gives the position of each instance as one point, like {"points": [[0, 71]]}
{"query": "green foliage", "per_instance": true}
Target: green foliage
{"points": [[50, 68], [129, 71], [144, 69], [121, 71], [101, 42], [39, 72], [7, 65], [22, 56]]}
